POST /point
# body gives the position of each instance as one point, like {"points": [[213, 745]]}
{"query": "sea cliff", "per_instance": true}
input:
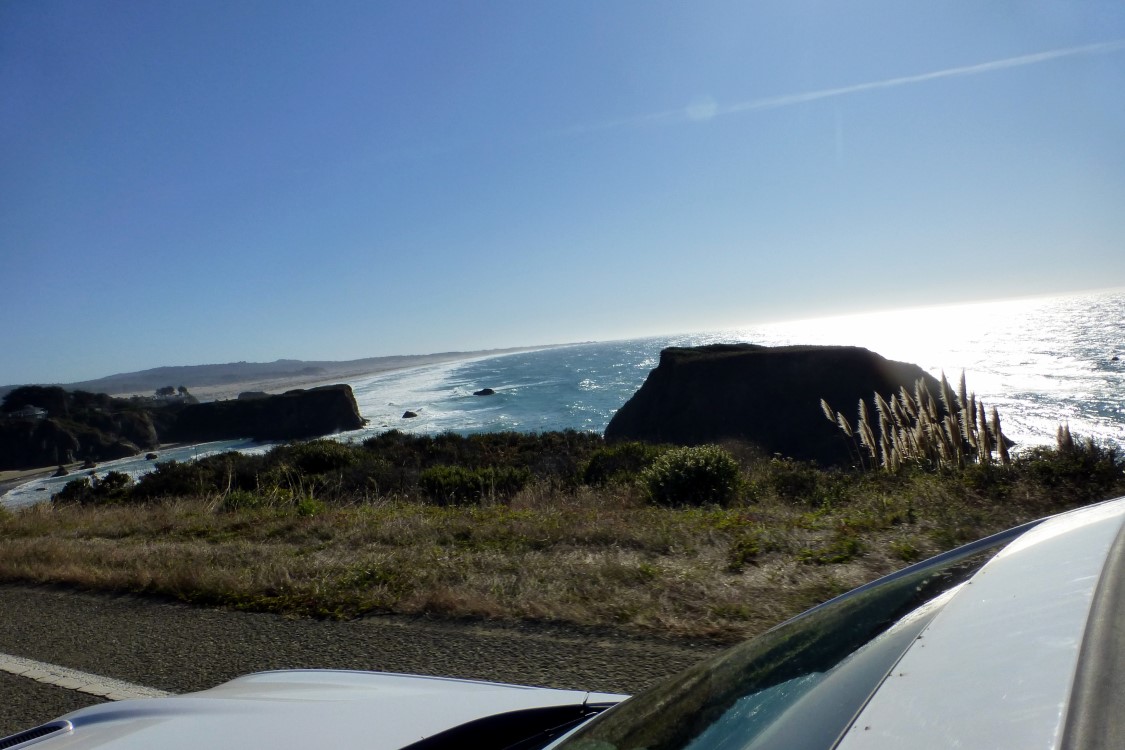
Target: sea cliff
{"points": [[48, 425], [292, 415], [768, 396]]}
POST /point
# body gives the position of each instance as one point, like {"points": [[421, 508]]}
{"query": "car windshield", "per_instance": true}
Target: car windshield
{"points": [[799, 684]]}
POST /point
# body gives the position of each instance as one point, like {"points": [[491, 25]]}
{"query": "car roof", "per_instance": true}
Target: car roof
{"points": [[999, 665]]}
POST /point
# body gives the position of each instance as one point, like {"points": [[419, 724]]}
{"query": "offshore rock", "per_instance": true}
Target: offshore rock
{"points": [[484, 392], [408, 415], [293, 415], [767, 396]]}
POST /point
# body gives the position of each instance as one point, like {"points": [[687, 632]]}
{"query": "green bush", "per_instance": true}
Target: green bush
{"points": [[113, 487], [113, 484], [553, 456], [697, 475], [1082, 469], [75, 491], [172, 479], [457, 485], [309, 506], [795, 481], [318, 456], [244, 500], [620, 461]]}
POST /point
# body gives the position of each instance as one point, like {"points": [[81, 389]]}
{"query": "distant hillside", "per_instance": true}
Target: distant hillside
{"points": [[199, 376]]}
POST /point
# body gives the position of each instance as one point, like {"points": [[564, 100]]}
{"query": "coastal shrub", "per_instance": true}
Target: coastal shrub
{"points": [[613, 463], [318, 456], [113, 484], [695, 475], [458, 485], [172, 479], [560, 456], [375, 476], [113, 487], [794, 481], [75, 491], [278, 498], [235, 470], [1082, 469], [236, 500], [548, 455], [308, 507]]}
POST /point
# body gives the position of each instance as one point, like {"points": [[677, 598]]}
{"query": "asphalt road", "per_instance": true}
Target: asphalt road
{"points": [[179, 648]]}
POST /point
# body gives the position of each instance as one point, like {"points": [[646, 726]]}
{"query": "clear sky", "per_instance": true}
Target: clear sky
{"points": [[214, 181]]}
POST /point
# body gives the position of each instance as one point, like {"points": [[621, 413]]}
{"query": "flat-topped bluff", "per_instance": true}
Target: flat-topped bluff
{"points": [[769, 396], [291, 415]]}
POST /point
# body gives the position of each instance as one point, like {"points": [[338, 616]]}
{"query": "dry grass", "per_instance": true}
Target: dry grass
{"points": [[588, 556]]}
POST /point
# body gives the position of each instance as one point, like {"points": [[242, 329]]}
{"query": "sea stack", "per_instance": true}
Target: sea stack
{"points": [[767, 396]]}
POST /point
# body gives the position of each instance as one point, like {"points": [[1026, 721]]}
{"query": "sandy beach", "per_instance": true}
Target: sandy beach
{"points": [[12, 479], [343, 373]]}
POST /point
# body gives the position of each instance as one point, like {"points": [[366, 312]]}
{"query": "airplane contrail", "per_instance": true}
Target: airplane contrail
{"points": [[710, 111]]}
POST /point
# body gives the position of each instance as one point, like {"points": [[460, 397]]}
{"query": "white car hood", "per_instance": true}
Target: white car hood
{"points": [[306, 709]]}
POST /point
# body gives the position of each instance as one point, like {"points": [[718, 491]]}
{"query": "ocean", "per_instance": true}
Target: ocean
{"points": [[1042, 362]]}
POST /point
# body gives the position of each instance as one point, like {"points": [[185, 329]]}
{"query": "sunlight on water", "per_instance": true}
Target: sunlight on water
{"points": [[1040, 361]]}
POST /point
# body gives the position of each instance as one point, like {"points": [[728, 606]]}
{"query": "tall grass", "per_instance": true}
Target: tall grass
{"points": [[912, 429]]}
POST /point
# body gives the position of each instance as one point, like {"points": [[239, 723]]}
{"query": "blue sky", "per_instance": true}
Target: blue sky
{"points": [[199, 182]]}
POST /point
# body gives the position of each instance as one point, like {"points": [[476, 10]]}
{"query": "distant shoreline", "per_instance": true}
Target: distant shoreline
{"points": [[9, 480], [223, 381], [347, 371]]}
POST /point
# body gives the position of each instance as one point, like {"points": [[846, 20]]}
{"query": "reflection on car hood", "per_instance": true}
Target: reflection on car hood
{"points": [[996, 666], [307, 708]]}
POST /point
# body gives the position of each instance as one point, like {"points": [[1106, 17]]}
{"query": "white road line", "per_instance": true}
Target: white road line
{"points": [[71, 679]]}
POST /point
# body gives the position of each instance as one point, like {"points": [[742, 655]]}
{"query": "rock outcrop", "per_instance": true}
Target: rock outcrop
{"points": [[27, 444], [768, 396], [45, 425], [292, 415], [484, 392], [75, 425]]}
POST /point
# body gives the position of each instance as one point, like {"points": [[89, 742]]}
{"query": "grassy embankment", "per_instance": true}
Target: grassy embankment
{"points": [[553, 527]]}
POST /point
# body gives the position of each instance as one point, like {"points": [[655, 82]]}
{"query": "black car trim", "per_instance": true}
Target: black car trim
{"points": [[30, 736], [525, 729]]}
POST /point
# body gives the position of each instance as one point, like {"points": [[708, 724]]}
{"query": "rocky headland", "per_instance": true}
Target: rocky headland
{"points": [[768, 396], [292, 415], [48, 425]]}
